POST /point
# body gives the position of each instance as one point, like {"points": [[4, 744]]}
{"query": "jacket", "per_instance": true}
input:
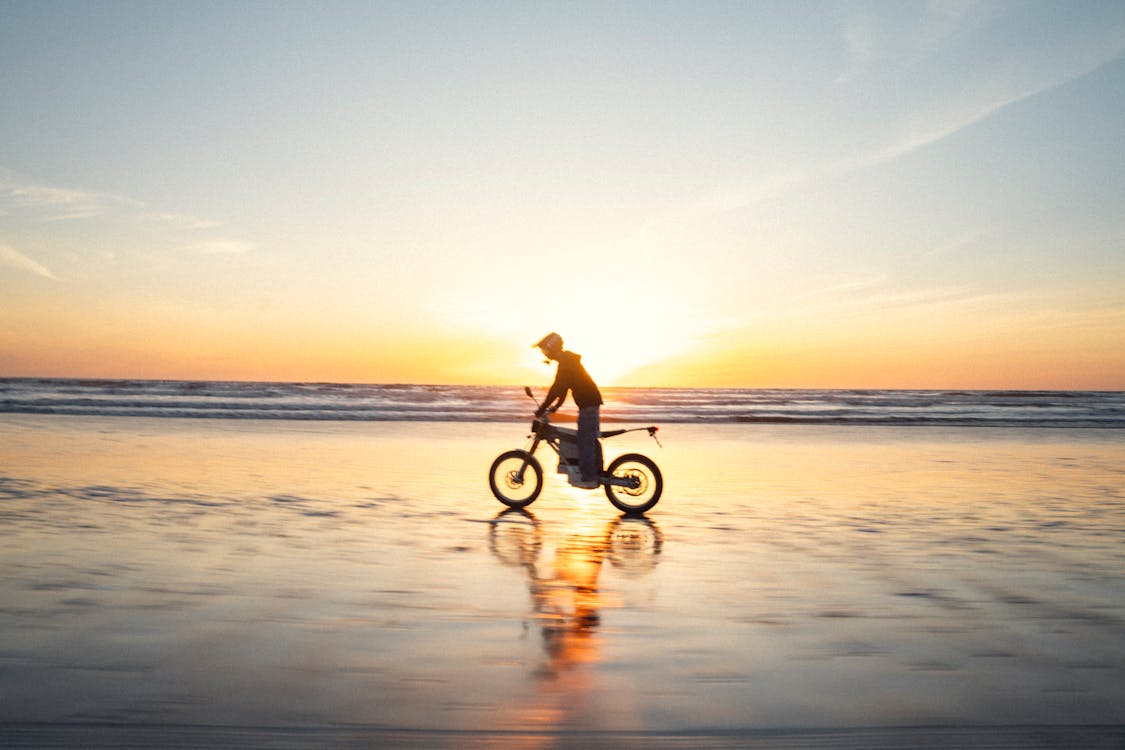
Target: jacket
{"points": [[572, 376]]}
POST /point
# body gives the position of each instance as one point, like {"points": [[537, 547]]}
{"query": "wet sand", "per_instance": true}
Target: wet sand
{"points": [[244, 583]]}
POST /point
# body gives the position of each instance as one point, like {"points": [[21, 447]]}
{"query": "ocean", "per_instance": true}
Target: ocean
{"points": [[308, 564], [440, 403]]}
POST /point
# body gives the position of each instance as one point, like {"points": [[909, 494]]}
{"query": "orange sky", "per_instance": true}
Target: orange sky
{"points": [[920, 196]]}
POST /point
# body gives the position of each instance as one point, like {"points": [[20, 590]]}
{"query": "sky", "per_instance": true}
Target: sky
{"points": [[703, 194]]}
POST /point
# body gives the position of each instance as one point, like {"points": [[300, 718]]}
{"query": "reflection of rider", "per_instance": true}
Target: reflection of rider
{"points": [[572, 377], [567, 604]]}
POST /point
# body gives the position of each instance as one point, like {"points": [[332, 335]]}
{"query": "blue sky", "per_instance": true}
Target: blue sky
{"points": [[854, 194]]}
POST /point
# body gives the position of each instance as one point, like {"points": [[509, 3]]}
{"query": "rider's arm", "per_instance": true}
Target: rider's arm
{"points": [[557, 394], [553, 401]]}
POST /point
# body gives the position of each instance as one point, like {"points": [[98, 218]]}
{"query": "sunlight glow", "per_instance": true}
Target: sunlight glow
{"points": [[924, 195], [617, 330]]}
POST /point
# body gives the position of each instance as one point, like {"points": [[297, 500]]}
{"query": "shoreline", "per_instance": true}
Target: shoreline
{"points": [[100, 735]]}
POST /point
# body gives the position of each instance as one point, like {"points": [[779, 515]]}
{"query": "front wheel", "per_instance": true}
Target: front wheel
{"points": [[634, 483], [516, 478]]}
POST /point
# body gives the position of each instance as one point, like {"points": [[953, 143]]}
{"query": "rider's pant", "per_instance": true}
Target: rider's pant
{"points": [[589, 427]]}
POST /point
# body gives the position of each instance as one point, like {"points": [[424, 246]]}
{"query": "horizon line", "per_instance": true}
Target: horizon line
{"points": [[372, 384]]}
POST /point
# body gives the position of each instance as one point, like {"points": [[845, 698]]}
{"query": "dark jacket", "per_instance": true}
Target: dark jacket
{"points": [[572, 377]]}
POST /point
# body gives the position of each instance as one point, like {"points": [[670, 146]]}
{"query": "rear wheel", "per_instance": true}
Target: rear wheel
{"points": [[642, 486], [516, 478]]}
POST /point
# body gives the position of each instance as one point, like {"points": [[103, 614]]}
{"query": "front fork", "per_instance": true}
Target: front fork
{"points": [[530, 454]]}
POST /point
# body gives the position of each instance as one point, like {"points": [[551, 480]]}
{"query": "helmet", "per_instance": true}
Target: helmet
{"points": [[551, 341]]}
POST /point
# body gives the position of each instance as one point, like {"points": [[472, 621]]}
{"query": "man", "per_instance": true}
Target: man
{"points": [[572, 377]]}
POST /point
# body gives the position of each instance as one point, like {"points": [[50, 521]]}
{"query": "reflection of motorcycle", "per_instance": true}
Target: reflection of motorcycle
{"points": [[566, 601], [632, 482], [631, 544]]}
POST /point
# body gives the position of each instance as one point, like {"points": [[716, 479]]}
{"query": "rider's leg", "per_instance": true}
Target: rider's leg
{"points": [[589, 427]]}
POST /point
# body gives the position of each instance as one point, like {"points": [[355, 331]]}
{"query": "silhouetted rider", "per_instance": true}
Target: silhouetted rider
{"points": [[572, 377]]}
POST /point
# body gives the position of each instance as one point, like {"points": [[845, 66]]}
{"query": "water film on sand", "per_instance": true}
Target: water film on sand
{"points": [[339, 583]]}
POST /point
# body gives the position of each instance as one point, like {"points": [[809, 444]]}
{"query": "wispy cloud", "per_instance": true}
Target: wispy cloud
{"points": [[848, 287], [220, 247], [837, 302], [859, 37], [927, 297], [983, 94], [719, 202], [9, 256], [925, 130], [59, 204], [855, 309], [65, 204], [988, 91], [872, 37], [961, 242], [179, 221], [38, 203]]}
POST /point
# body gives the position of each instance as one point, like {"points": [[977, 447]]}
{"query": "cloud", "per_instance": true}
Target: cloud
{"points": [[859, 42], [875, 38], [984, 93], [926, 297], [847, 287], [989, 90], [36, 204], [719, 202], [179, 221], [64, 204], [59, 204], [9, 256], [220, 247], [843, 300]]}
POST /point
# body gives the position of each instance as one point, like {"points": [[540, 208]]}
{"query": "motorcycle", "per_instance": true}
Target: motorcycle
{"points": [[632, 482]]}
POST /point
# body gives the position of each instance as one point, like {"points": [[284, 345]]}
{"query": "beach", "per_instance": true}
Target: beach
{"points": [[291, 583]]}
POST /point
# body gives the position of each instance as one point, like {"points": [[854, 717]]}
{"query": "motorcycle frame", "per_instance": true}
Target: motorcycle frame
{"points": [[542, 431]]}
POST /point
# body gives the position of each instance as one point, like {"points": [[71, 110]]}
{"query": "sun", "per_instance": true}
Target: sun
{"points": [[618, 329], [615, 339]]}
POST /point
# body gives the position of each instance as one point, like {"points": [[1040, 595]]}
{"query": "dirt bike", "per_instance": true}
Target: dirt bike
{"points": [[632, 482]]}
